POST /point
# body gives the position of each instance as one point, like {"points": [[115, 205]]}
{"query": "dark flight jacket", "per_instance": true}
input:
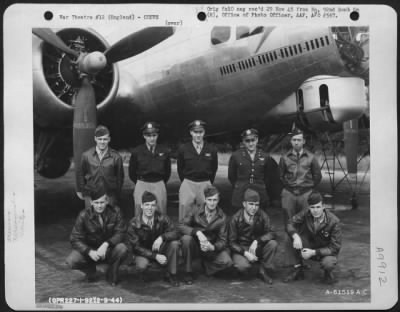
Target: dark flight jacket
{"points": [[195, 167], [140, 236], [216, 231], [88, 233], [149, 167], [327, 240], [242, 234], [299, 175], [244, 172], [107, 173]]}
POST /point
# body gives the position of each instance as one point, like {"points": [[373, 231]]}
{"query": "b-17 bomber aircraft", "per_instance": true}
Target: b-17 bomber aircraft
{"points": [[233, 77]]}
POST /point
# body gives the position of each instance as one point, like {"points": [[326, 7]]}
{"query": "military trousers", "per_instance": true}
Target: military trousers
{"points": [[191, 195], [213, 261], [293, 256], [114, 256], [157, 188], [293, 204], [265, 254], [169, 249]]}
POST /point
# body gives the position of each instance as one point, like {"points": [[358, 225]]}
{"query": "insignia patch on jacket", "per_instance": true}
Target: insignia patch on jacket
{"points": [[160, 154], [326, 234], [207, 154], [262, 158]]}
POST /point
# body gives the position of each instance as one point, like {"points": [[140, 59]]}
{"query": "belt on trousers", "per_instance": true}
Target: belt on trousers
{"points": [[148, 180]]}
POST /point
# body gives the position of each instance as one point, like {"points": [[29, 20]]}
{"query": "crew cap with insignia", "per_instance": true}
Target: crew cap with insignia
{"points": [[197, 125], [314, 198], [251, 195], [101, 130], [148, 197], [296, 131], [150, 127], [249, 132]]}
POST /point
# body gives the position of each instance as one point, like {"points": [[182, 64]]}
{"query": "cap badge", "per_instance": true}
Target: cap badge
{"points": [[248, 132], [149, 126], [197, 123]]}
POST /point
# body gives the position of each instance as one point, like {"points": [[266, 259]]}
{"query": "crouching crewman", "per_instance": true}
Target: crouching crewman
{"points": [[205, 235], [316, 235], [251, 238], [96, 237], [152, 237]]}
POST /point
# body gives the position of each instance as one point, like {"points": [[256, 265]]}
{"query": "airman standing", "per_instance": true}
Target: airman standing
{"points": [[150, 168], [300, 173], [197, 166], [102, 168], [248, 166]]}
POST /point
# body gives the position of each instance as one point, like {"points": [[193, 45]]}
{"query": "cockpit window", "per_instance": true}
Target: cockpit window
{"points": [[220, 34], [245, 31]]}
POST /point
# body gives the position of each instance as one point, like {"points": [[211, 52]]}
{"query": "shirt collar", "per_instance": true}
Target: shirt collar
{"points": [[100, 152], [195, 144], [212, 213], [145, 219], [149, 147]]}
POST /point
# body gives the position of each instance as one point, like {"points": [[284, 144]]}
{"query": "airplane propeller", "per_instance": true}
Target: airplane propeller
{"points": [[86, 66]]}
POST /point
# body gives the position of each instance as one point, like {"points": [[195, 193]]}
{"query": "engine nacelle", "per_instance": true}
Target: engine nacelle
{"points": [[55, 85], [322, 103]]}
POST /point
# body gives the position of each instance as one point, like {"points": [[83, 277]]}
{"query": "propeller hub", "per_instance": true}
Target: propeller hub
{"points": [[92, 63]]}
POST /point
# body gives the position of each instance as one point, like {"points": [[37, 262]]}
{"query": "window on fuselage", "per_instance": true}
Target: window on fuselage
{"points": [[220, 34], [245, 31]]}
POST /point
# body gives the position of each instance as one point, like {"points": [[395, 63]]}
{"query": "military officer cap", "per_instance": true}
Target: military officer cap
{"points": [[197, 125], [148, 197], [296, 131], [101, 130], [249, 132], [314, 198], [251, 195], [150, 127], [210, 191]]}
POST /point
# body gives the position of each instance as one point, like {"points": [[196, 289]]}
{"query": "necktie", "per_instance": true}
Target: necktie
{"points": [[198, 148], [251, 218], [150, 223], [153, 150], [209, 217], [101, 221]]}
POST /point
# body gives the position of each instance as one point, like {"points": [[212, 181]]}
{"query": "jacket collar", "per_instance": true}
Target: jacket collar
{"points": [[304, 153], [107, 153], [138, 221], [242, 217], [105, 215], [218, 211]]}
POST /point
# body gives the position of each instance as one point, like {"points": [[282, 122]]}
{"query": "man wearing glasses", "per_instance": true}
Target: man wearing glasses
{"points": [[150, 168], [248, 167], [197, 165]]}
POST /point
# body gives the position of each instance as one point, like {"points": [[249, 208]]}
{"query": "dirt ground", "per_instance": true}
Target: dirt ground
{"points": [[56, 207]]}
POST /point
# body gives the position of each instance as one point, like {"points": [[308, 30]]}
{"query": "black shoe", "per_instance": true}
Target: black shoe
{"points": [[172, 279], [294, 275], [264, 277], [329, 278], [143, 277], [90, 278], [188, 278]]}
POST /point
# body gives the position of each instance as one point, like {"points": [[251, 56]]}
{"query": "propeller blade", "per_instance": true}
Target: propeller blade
{"points": [[50, 37], [85, 122], [351, 134], [137, 42]]}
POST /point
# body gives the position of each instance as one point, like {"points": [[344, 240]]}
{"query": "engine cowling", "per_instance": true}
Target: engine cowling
{"points": [[55, 84]]}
